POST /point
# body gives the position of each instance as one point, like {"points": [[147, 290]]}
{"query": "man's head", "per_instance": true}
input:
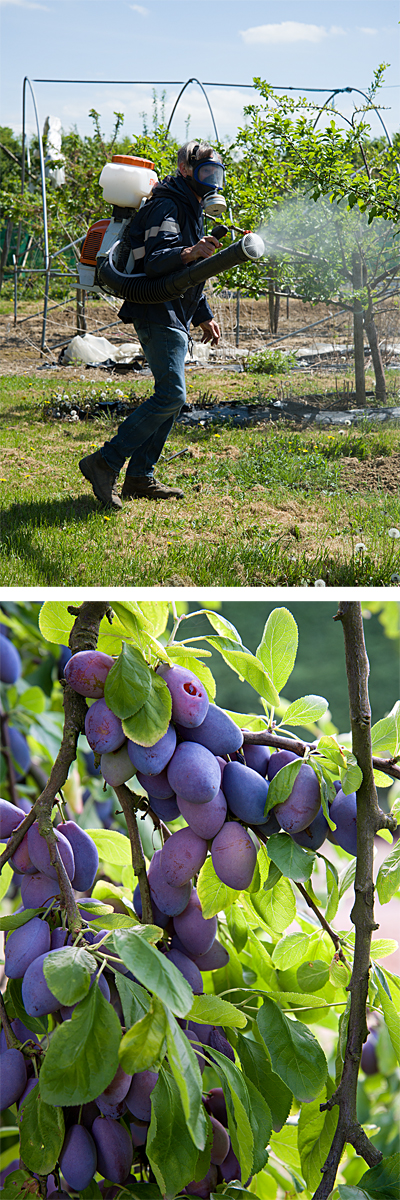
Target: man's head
{"points": [[203, 170]]}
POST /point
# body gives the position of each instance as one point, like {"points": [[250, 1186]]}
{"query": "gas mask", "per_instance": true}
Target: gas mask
{"points": [[207, 181]]}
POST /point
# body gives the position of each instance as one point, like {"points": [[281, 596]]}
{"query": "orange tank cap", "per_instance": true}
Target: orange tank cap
{"points": [[133, 162]]}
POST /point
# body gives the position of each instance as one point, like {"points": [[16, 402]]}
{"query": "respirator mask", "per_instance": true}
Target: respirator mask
{"points": [[207, 181]]}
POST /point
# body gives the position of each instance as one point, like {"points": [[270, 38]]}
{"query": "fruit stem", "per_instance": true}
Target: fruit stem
{"points": [[127, 802]]}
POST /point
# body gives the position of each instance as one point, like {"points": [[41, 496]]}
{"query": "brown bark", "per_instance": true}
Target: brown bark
{"points": [[370, 329], [358, 325]]}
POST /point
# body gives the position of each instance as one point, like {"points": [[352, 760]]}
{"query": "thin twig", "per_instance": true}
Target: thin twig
{"points": [[297, 746], [128, 805]]}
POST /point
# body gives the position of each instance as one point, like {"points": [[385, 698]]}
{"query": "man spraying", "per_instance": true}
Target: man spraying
{"points": [[166, 234]]}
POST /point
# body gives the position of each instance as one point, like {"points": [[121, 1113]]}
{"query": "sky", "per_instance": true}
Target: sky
{"points": [[301, 44]]}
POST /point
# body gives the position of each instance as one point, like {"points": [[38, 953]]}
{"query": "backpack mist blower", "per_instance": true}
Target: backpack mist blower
{"points": [[107, 262]]}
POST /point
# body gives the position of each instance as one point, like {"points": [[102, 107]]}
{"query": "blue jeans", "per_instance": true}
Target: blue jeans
{"points": [[142, 435]]}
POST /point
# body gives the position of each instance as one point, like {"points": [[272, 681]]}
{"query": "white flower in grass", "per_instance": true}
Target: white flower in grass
{"points": [[319, 583], [394, 533], [359, 547]]}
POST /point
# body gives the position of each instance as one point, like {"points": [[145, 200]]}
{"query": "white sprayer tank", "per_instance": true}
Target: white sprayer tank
{"points": [[126, 181]]}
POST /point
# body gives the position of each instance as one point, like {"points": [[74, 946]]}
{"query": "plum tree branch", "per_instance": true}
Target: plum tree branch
{"points": [[362, 915], [84, 636], [265, 738], [128, 805]]}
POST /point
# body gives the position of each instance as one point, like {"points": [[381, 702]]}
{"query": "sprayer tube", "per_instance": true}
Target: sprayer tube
{"points": [[139, 289]]}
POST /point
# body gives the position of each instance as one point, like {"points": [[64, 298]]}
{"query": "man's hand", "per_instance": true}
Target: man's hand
{"points": [[211, 332], [203, 249]]}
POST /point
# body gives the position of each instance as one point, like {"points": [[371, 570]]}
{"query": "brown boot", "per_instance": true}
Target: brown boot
{"points": [[102, 478], [136, 487]]}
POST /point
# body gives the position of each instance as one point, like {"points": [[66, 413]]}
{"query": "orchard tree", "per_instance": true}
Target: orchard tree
{"points": [[156, 1021]]}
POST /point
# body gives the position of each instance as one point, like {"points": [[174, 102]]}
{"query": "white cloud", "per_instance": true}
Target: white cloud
{"points": [[287, 31], [144, 12], [24, 4], [372, 32]]}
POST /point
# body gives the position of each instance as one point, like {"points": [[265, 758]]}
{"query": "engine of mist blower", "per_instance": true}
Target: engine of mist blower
{"points": [[126, 182]]}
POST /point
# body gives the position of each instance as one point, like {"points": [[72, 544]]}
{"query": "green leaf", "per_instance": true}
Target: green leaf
{"points": [[311, 976], [214, 896], [186, 1071], [334, 754], [384, 737], [55, 622], [351, 778], [170, 1150], [14, 920], [261, 1125], [332, 889], [391, 1017], [6, 877], [33, 699], [388, 878], [238, 1109], [134, 999], [68, 973], [128, 684], [383, 1182], [113, 848], [17, 1184], [347, 877], [222, 626], [305, 710], [339, 973], [151, 721], [295, 1053], [42, 1133], [82, 1057], [277, 908], [278, 647], [293, 862], [315, 1133], [237, 925], [290, 950], [154, 971], [246, 667], [142, 1045], [281, 785], [37, 1025], [156, 614], [383, 947], [213, 1010], [257, 1067]]}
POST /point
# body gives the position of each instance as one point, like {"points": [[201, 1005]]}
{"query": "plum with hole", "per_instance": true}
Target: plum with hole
{"points": [[194, 773], [37, 890], [13, 1077], [156, 786], [204, 1188], [151, 760], [114, 1149], [196, 933], [343, 812], [86, 672], [10, 661], [215, 1104], [213, 959], [37, 998], [369, 1061], [217, 733], [218, 1041], [20, 750], [220, 1143], [280, 758], [169, 899], [314, 836], [188, 969], [116, 1091], [85, 854], [24, 945], [234, 856], [160, 918], [116, 766], [10, 817], [166, 810], [257, 757], [78, 1158], [40, 856], [302, 805], [205, 819], [103, 729], [189, 697], [138, 1098], [246, 792], [21, 861], [182, 856]]}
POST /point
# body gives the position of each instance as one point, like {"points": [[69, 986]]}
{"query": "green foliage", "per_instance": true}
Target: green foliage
{"points": [[270, 362]]}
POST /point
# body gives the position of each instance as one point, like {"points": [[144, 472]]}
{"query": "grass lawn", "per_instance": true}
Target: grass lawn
{"points": [[263, 506]]}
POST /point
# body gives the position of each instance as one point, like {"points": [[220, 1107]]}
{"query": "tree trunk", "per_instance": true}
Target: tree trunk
{"points": [[370, 328], [358, 323], [273, 299]]}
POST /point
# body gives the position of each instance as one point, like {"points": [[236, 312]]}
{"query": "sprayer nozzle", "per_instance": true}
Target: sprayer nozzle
{"points": [[253, 245]]}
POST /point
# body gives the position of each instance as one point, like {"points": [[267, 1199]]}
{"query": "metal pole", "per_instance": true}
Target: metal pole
{"points": [[45, 305], [46, 256], [15, 288], [237, 315]]}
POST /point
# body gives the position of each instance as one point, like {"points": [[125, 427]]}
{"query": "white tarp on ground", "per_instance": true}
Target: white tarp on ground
{"points": [[90, 349]]}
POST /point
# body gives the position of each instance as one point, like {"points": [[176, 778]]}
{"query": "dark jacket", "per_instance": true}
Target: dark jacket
{"points": [[171, 219]]}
